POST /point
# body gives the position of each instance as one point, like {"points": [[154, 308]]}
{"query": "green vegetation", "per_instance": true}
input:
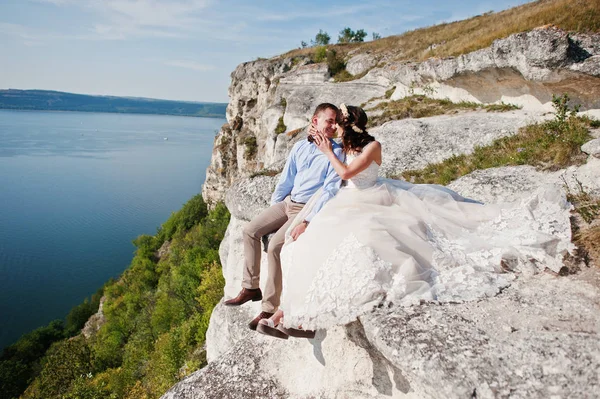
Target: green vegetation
{"points": [[320, 54], [585, 225], [251, 147], [22, 361], [347, 35], [420, 106], [156, 315], [336, 65], [321, 39], [281, 127], [587, 206], [265, 172], [389, 92], [551, 145]]}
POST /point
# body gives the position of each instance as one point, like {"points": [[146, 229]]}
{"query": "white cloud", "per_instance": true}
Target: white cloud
{"points": [[120, 19], [196, 66], [322, 14]]}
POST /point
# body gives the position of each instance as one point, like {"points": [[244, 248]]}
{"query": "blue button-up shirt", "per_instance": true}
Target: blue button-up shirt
{"points": [[306, 170]]}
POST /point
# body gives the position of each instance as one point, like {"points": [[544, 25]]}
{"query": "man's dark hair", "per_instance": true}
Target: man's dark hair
{"points": [[323, 106]]}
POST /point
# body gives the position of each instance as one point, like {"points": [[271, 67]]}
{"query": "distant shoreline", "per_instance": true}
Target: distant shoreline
{"points": [[46, 100], [110, 112]]}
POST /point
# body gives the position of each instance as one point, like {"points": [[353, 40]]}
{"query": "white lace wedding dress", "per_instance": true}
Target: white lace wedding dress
{"points": [[383, 241]]}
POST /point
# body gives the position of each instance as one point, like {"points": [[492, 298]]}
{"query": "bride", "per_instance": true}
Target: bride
{"points": [[383, 241]]}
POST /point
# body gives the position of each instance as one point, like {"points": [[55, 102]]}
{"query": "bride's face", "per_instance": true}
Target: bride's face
{"points": [[325, 122]]}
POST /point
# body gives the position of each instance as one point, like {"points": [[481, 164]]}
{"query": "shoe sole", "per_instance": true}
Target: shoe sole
{"points": [[270, 331], [240, 304], [296, 333]]}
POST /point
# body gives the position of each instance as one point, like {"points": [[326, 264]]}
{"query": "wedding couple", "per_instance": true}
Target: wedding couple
{"points": [[338, 252]]}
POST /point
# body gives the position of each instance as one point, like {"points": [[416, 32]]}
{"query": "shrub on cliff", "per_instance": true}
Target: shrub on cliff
{"points": [[347, 35], [156, 315]]}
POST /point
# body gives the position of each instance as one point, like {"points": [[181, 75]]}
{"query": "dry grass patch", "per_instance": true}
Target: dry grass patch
{"points": [[451, 39], [585, 224], [589, 241], [419, 106], [265, 172], [550, 145]]}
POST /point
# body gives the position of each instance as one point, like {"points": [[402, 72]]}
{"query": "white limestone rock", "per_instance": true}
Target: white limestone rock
{"points": [[592, 148], [414, 143], [523, 69], [360, 63], [247, 198], [539, 338]]}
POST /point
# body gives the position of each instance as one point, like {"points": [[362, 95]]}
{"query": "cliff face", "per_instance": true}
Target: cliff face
{"points": [[532, 334], [535, 336], [269, 96]]}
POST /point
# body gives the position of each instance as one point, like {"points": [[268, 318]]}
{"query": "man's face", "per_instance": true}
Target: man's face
{"points": [[324, 121]]}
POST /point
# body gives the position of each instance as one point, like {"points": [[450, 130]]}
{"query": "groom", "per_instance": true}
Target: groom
{"points": [[306, 170]]}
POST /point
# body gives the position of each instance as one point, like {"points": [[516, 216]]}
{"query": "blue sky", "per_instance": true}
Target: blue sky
{"points": [[183, 49]]}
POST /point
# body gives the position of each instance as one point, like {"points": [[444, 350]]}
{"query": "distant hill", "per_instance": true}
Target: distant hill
{"points": [[60, 101]]}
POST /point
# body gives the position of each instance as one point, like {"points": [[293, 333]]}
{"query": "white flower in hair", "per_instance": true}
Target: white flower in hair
{"points": [[344, 110]]}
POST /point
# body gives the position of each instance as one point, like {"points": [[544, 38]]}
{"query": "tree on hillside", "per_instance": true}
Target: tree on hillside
{"points": [[321, 39], [347, 35]]}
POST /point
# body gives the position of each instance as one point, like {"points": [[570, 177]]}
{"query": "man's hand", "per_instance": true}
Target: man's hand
{"points": [[298, 230]]}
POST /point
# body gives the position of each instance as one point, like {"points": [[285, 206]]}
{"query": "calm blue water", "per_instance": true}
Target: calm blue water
{"points": [[75, 190]]}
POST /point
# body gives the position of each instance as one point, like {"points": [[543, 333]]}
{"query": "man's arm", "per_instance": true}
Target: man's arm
{"points": [[331, 186], [286, 181]]}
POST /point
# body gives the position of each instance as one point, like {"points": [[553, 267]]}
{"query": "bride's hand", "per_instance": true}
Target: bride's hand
{"points": [[323, 143]]}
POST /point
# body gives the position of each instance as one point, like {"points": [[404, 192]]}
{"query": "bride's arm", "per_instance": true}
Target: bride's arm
{"points": [[370, 153]]}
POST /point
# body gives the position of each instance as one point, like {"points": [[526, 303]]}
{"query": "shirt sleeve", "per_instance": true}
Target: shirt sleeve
{"points": [[286, 181], [331, 186]]}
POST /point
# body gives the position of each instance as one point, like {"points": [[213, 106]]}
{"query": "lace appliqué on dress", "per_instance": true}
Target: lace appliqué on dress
{"points": [[351, 282]]}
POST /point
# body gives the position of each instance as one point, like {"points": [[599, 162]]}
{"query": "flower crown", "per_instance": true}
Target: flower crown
{"points": [[345, 113]]}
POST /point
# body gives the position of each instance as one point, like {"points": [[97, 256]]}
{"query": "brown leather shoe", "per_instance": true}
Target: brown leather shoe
{"points": [[254, 322], [244, 296]]}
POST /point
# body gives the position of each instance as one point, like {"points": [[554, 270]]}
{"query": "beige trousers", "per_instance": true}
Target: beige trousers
{"points": [[277, 217]]}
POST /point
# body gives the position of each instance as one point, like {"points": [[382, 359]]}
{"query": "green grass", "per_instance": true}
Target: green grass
{"points": [[281, 127], [420, 106], [251, 147], [550, 145]]}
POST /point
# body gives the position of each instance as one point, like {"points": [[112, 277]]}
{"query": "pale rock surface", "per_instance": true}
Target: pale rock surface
{"points": [[523, 69], [360, 63], [414, 143], [539, 337], [592, 148], [535, 64], [248, 197], [97, 320]]}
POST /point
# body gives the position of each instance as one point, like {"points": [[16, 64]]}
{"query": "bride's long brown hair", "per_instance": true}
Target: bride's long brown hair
{"points": [[353, 120]]}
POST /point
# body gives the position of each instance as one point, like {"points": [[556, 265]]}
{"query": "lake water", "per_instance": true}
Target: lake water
{"points": [[75, 189]]}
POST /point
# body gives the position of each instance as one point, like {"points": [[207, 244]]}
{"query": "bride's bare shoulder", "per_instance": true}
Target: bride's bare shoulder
{"points": [[373, 146]]}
